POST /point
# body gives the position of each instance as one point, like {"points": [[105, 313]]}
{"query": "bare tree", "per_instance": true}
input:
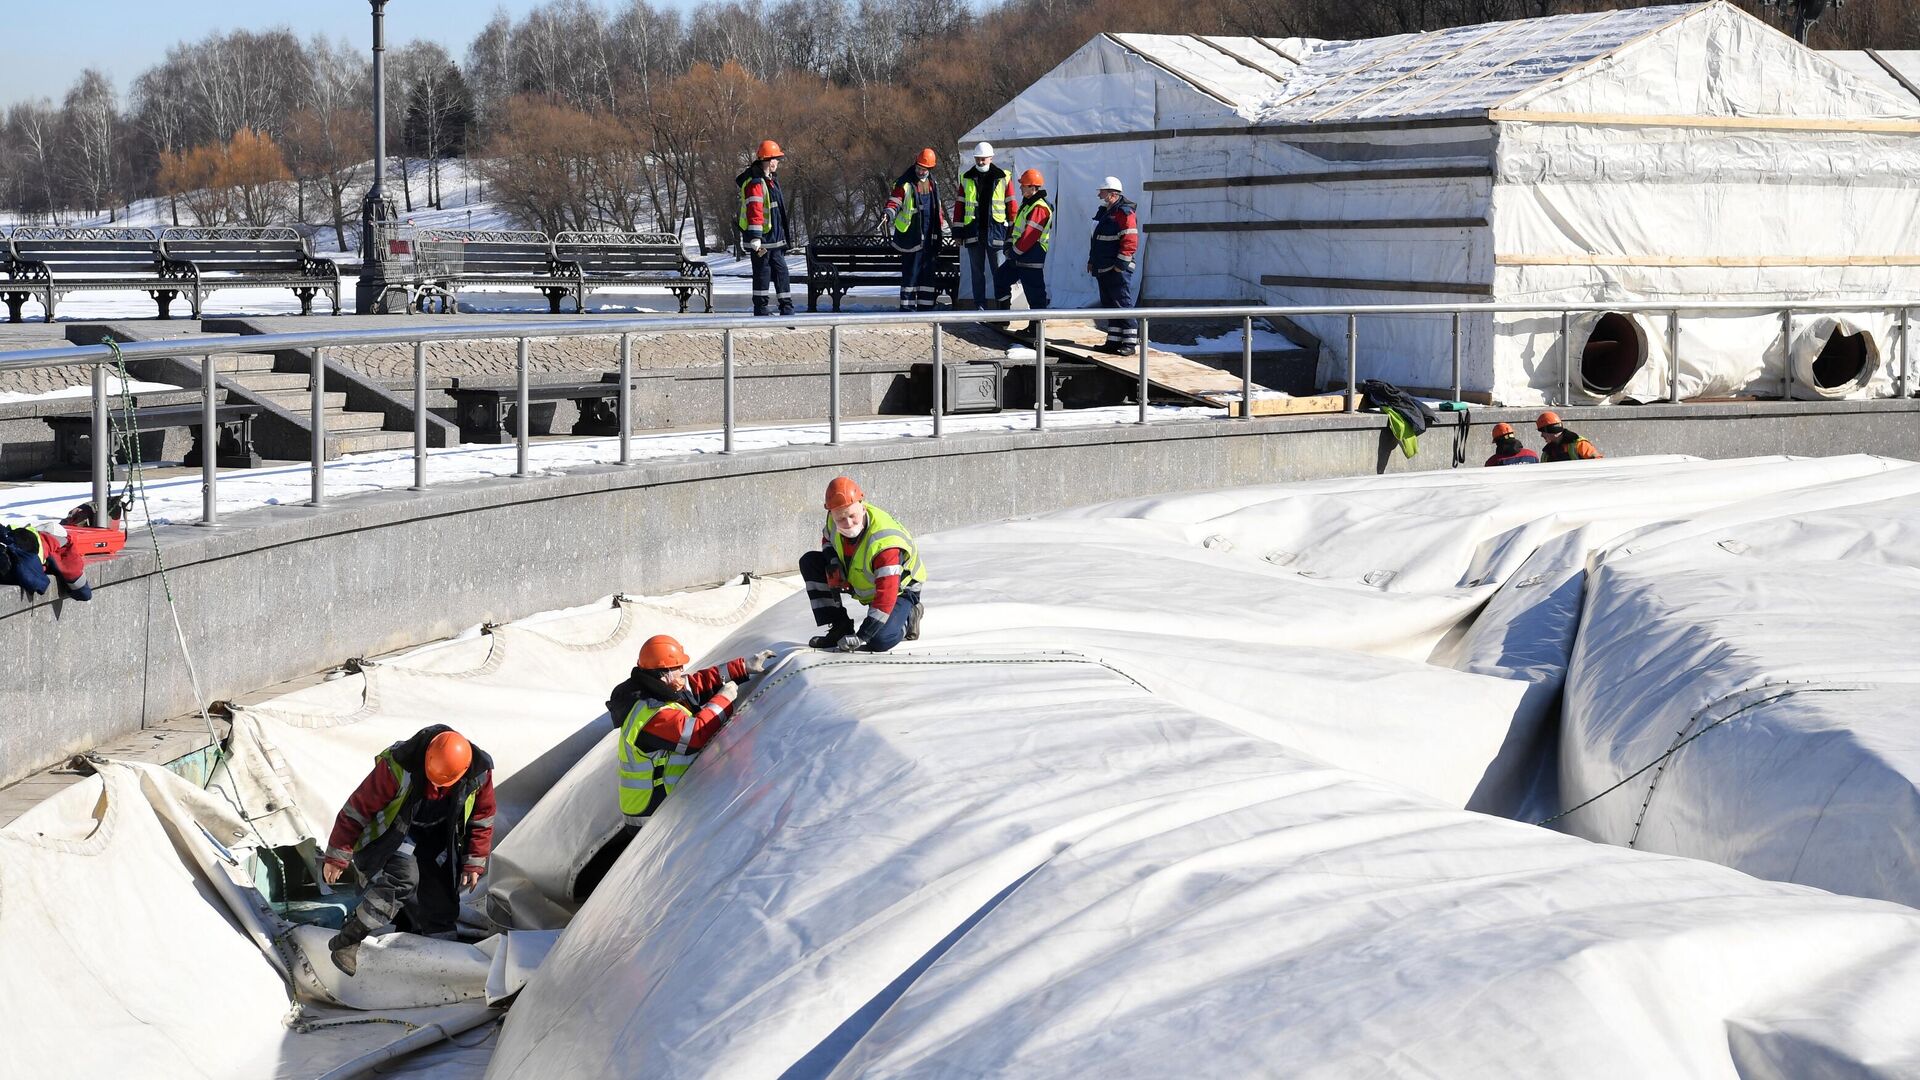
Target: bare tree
{"points": [[90, 130]]}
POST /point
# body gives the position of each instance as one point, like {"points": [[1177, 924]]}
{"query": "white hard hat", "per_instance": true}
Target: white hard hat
{"points": [[1112, 183], [985, 149]]}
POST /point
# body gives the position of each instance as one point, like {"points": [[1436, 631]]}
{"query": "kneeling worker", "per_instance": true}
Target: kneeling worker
{"points": [[864, 551], [420, 826], [1563, 444], [1508, 450]]}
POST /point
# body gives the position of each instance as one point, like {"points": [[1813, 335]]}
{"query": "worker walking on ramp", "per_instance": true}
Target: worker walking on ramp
{"points": [[420, 828], [863, 551]]}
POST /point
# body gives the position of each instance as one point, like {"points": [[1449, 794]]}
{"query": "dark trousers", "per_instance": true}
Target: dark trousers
{"points": [[413, 888], [1116, 291], [770, 282], [916, 277], [987, 274], [1032, 279], [830, 611]]}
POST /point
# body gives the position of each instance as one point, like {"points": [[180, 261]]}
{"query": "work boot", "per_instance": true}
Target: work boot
{"points": [[830, 637], [346, 952], [913, 623]]}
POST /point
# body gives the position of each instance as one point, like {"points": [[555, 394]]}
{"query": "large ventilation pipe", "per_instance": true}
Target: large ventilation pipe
{"points": [[1832, 358], [1612, 354]]}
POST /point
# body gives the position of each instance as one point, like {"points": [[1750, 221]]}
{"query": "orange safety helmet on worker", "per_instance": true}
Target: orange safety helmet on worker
{"points": [[420, 827], [1508, 450], [867, 552], [667, 715], [1563, 444], [915, 222]]}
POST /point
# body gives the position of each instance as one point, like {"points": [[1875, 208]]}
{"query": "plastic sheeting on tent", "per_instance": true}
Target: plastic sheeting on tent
{"points": [[128, 900], [1779, 632]]}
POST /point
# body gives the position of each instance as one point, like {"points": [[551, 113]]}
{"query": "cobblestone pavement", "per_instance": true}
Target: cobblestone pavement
{"points": [[14, 337]]}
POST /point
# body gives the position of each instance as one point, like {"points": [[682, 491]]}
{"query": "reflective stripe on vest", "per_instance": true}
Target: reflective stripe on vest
{"points": [[743, 201], [642, 772], [903, 217], [403, 780], [883, 532], [1046, 227], [970, 199]]}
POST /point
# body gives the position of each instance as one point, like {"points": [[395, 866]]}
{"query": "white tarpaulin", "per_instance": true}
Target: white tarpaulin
{"points": [[1779, 632]]}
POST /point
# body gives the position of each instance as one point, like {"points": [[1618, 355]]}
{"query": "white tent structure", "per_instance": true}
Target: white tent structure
{"points": [[1896, 72], [1681, 153]]}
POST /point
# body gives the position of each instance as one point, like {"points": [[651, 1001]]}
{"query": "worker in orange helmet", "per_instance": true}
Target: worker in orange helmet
{"points": [[1563, 444], [866, 552], [420, 829], [764, 229], [1508, 450], [916, 224], [1031, 235]]}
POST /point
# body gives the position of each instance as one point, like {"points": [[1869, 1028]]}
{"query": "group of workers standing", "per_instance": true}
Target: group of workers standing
{"points": [[1562, 443], [418, 830], [1004, 229]]}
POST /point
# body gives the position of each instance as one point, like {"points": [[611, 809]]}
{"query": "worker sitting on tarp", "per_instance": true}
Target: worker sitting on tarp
{"points": [[1508, 450], [666, 715], [1563, 444], [863, 551], [419, 828], [33, 557]]}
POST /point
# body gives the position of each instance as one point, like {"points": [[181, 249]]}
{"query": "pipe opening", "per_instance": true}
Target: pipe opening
{"points": [[1615, 351], [1842, 360]]}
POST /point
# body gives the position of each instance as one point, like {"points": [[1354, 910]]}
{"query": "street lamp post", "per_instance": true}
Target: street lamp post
{"points": [[371, 294]]}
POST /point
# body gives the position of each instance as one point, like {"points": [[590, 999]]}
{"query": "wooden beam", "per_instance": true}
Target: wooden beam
{"points": [[1306, 225], [1437, 172], [1369, 285], [1514, 259], [1251, 130], [1731, 123], [1289, 406]]}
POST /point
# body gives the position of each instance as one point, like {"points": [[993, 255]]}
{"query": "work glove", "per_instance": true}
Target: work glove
{"points": [[756, 246], [886, 221], [729, 690], [851, 643], [1127, 265], [946, 233], [757, 663]]}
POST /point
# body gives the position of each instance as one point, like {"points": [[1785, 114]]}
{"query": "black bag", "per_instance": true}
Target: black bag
{"points": [[1384, 395]]}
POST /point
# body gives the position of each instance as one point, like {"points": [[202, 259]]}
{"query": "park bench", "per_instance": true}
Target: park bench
{"points": [[46, 263], [446, 259], [836, 264], [487, 414], [611, 259], [229, 257], [233, 441]]}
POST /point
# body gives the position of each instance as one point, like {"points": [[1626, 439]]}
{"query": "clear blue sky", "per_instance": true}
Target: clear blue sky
{"points": [[49, 42]]}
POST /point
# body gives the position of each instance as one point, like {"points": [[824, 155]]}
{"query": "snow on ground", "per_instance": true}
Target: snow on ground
{"points": [[114, 389], [176, 499], [1264, 340]]}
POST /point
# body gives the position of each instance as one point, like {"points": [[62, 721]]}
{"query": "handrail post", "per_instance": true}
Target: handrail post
{"points": [[625, 408], [209, 444], [419, 416], [1143, 391], [1786, 354], [833, 385], [1673, 356], [939, 385], [1040, 377], [1906, 351], [1456, 356], [1246, 368], [317, 420], [102, 446], [726, 391], [524, 427], [1353, 362], [1566, 358]]}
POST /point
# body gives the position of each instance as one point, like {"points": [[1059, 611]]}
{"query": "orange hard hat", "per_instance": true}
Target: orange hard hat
{"points": [[769, 149], [448, 756], [843, 492], [927, 159], [1032, 176], [661, 653], [1501, 431], [1547, 419]]}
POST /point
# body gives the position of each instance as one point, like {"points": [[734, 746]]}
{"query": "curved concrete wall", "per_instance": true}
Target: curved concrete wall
{"points": [[285, 591]]}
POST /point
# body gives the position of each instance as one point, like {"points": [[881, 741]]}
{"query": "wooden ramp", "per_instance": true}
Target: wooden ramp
{"points": [[1175, 374]]}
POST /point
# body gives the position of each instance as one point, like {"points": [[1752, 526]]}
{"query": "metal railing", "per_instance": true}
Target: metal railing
{"points": [[99, 357]]}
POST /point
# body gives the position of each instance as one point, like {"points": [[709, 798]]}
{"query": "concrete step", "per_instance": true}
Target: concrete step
{"points": [[341, 420], [263, 382], [301, 400], [233, 363], [360, 442]]}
